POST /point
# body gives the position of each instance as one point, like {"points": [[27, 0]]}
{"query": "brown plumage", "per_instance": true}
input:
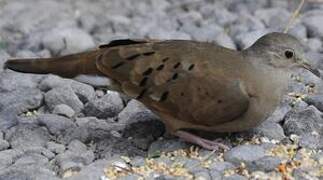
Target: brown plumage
{"points": [[190, 85]]}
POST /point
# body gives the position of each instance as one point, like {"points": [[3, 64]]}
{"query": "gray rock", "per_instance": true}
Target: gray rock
{"points": [[134, 112], [244, 40], [1, 135], [270, 129], [11, 81], [135, 177], [94, 170], [4, 144], [23, 98], [315, 100], [63, 95], [304, 174], [142, 134], [33, 158], [221, 166], [235, 177], [244, 153], [28, 172], [312, 20], [64, 110], [207, 33], [76, 157], [311, 141], [225, 40], [54, 123], [7, 157], [266, 164], [3, 56], [83, 91], [55, 147], [62, 41], [299, 31], [314, 44], [304, 121], [278, 115], [273, 17], [215, 175], [108, 106], [224, 17], [245, 23], [205, 175], [166, 146], [91, 129], [24, 137]]}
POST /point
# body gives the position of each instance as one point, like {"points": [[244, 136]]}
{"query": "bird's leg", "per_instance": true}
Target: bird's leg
{"points": [[205, 143]]}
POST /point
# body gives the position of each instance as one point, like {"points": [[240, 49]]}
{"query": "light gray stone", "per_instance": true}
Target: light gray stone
{"points": [[25, 137], [8, 157], [304, 121], [108, 106], [75, 157], [265, 164], [55, 147], [134, 112], [311, 141], [315, 100], [54, 123], [83, 91], [33, 158], [63, 109], [312, 20], [244, 153], [270, 129], [314, 44], [63, 95], [94, 170], [62, 41], [166, 146], [4, 144], [24, 99], [245, 40], [273, 17]]}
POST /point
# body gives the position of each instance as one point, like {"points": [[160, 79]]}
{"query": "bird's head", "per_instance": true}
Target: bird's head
{"points": [[282, 51]]}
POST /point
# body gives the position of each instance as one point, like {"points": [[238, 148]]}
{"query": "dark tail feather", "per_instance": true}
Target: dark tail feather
{"points": [[65, 66]]}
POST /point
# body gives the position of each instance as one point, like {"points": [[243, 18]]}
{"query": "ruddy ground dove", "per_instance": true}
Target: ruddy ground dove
{"points": [[189, 84]]}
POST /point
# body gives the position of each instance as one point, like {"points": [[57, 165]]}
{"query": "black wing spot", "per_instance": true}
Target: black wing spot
{"points": [[177, 65], [132, 57], [165, 59], [164, 96], [142, 93], [147, 72], [182, 94], [175, 76], [121, 42], [148, 53], [160, 67], [191, 67], [219, 101], [118, 65], [143, 82]]}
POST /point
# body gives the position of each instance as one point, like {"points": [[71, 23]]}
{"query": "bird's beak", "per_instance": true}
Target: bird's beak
{"points": [[306, 65]]}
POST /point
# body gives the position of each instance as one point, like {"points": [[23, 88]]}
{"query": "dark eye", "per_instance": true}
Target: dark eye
{"points": [[289, 54]]}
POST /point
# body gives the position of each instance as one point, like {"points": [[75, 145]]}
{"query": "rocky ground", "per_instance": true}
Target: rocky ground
{"points": [[53, 128]]}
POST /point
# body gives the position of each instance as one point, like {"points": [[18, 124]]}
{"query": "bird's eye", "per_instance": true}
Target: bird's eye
{"points": [[289, 54]]}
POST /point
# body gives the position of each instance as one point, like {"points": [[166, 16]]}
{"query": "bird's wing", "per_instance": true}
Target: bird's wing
{"points": [[176, 78]]}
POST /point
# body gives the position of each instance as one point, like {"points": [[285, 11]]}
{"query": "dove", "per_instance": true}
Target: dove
{"points": [[190, 85]]}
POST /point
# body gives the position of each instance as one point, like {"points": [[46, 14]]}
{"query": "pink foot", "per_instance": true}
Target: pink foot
{"points": [[205, 143]]}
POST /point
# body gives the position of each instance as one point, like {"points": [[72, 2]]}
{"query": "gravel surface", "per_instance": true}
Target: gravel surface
{"points": [[54, 128]]}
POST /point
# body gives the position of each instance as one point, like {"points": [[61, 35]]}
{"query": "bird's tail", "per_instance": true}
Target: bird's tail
{"points": [[66, 66]]}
